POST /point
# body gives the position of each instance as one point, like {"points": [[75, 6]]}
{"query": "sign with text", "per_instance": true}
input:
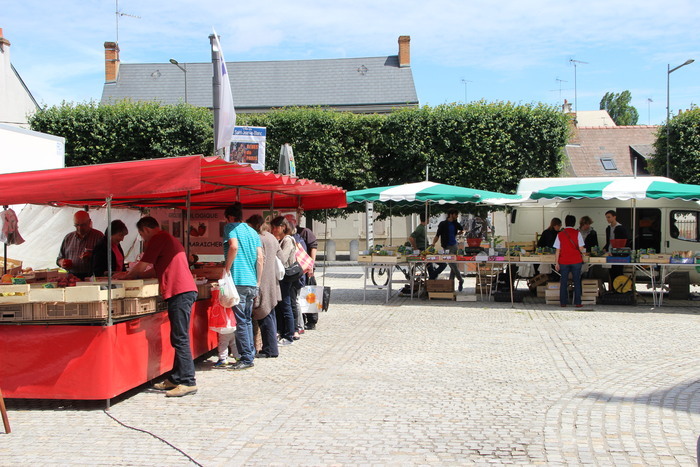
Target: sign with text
{"points": [[248, 146]]}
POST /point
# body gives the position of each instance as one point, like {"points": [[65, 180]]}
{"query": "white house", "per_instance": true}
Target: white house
{"points": [[16, 102]]}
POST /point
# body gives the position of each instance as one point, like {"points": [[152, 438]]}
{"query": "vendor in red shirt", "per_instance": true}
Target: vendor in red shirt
{"points": [[569, 259], [178, 289]]}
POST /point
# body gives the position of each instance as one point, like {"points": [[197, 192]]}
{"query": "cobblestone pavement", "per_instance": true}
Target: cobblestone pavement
{"points": [[411, 382]]}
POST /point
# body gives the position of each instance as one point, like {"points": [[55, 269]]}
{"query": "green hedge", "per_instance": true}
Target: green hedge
{"points": [[482, 145]]}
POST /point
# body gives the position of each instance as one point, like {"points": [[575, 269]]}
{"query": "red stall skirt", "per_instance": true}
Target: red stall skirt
{"points": [[93, 362]]}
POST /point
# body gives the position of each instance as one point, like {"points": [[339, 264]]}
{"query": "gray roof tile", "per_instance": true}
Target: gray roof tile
{"points": [[346, 82]]}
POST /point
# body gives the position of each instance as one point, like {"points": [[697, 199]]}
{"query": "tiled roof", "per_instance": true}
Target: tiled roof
{"points": [[257, 86], [589, 145]]}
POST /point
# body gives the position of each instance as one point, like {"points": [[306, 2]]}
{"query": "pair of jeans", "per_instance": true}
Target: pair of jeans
{"points": [[454, 269], [285, 314], [575, 270], [268, 333], [245, 341], [179, 312]]}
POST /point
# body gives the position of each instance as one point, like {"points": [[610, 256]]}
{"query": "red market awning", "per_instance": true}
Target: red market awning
{"points": [[210, 181]]}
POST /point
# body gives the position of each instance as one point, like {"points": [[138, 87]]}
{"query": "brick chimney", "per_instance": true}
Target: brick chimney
{"points": [[111, 62], [3, 42], [404, 51]]}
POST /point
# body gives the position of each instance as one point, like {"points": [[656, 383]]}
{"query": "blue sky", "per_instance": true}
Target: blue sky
{"points": [[511, 50]]}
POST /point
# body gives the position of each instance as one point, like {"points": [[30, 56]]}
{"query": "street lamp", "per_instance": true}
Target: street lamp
{"points": [[184, 70], [668, 113]]}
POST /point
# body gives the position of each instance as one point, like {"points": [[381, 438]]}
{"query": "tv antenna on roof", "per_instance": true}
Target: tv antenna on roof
{"points": [[560, 81], [119, 14], [575, 63]]}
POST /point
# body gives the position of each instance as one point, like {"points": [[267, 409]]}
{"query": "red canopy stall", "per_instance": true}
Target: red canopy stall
{"points": [[103, 360]]}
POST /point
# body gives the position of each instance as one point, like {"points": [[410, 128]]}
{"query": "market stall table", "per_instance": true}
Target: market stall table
{"points": [[100, 361]]}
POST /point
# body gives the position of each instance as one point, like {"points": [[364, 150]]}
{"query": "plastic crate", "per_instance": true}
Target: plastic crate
{"points": [[16, 312], [618, 259], [138, 306], [73, 311]]}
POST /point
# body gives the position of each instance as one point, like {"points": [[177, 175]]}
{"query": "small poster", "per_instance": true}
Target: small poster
{"points": [[248, 146]]}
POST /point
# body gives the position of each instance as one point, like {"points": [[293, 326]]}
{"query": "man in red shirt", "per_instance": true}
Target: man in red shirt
{"points": [[569, 259], [177, 287]]}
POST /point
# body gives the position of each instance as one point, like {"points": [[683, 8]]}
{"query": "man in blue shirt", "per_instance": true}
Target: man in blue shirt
{"points": [[244, 259], [447, 232]]}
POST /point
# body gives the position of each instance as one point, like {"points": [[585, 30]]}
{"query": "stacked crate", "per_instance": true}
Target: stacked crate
{"points": [[590, 289], [551, 293], [486, 278]]}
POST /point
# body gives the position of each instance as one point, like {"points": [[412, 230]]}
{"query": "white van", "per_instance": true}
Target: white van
{"points": [[667, 225]]}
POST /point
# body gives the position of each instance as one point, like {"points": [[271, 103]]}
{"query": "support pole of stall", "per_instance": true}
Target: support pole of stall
{"points": [[110, 317], [325, 245], [187, 225], [4, 248]]}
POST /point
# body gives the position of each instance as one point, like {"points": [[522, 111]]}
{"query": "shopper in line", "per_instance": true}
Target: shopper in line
{"points": [[167, 256], [269, 294], [569, 260], [244, 260], [282, 231]]}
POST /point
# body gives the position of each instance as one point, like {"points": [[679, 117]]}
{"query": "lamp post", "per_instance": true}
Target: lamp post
{"points": [[184, 70], [668, 113]]}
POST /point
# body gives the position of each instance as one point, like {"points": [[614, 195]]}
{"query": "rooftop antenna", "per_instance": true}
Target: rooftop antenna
{"points": [[119, 14], [575, 63], [560, 81], [465, 81]]}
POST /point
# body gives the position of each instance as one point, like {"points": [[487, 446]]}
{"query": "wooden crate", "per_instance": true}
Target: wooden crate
{"points": [[138, 306], [92, 292], [527, 246], [75, 311], [14, 293], [46, 275], [543, 258], [538, 280], [440, 285], [16, 312], [541, 290], [441, 295], [385, 259], [597, 259], [364, 258], [138, 288], [213, 273], [203, 291]]}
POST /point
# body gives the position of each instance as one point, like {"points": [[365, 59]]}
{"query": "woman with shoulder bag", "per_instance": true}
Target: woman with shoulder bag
{"points": [[269, 295], [281, 229]]}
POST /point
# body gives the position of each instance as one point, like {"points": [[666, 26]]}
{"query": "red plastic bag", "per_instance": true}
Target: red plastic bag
{"points": [[221, 319]]}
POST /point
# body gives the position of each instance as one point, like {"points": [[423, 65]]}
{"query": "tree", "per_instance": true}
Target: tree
{"points": [[619, 108], [684, 148]]}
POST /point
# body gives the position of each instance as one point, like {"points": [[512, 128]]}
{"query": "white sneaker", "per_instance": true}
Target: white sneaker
{"points": [[285, 342]]}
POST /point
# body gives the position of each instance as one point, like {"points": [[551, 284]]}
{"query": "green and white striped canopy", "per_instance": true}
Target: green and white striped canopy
{"points": [[428, 191], [632, 188]]}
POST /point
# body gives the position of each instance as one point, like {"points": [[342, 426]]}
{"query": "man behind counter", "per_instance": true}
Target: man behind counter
{"points": [[75, 255]]}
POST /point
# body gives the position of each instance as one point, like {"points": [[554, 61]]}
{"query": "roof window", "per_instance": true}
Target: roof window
{"points": [[608, 163]]}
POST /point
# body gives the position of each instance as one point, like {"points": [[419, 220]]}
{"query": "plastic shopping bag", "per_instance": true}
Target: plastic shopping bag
{"points": [[311, 299], [228, 295], [221, 319]]}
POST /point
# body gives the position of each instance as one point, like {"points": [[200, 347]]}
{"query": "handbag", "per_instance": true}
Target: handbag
{"points": [[280, 269], [293, 272], [221, 319]]}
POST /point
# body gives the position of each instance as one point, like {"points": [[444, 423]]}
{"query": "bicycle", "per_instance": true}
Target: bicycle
{"points": [[380, 276]]}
